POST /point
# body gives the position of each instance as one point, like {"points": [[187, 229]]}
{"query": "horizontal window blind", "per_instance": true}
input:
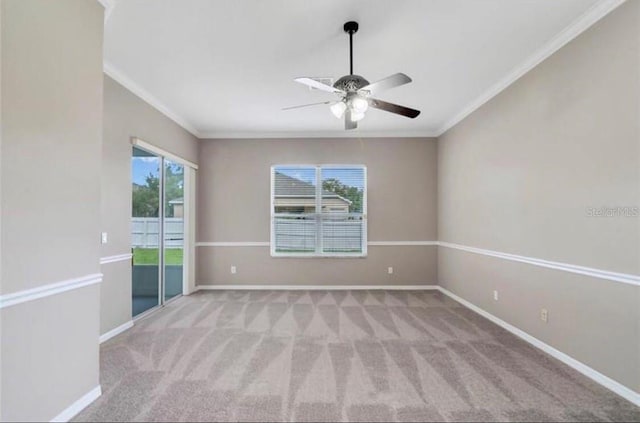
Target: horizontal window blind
{"points": [[341, 212], [318, 210], [294, 210]]}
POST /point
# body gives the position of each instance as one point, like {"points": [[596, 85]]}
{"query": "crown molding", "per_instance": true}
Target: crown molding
{"points": [[107, 4], [108, 8], [577, 27], [145, 95], [317, 134]]}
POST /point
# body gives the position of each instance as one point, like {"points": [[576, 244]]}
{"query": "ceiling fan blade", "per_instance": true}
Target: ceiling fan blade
{"points": [[348, 123], [318, 85], [394, 108], [392, 81], [307, 105]]}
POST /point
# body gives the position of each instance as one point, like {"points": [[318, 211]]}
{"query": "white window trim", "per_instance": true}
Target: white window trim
{"points": [[162, 152], [318, 253]]}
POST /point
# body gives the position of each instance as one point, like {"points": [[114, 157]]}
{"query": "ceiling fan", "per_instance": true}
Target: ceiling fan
{"points": [[355, 92]]}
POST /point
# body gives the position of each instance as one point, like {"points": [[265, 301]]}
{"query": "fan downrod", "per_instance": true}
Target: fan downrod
{"points": [[351, 28]]}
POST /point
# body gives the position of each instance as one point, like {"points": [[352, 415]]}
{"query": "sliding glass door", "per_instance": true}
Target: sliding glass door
{"points": [[145, 230], [173, 228], [157, 232]]}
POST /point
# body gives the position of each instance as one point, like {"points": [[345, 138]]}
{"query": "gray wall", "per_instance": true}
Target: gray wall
{"points": [[518, 176], [51, 141], [126, 116], [233, 205]]}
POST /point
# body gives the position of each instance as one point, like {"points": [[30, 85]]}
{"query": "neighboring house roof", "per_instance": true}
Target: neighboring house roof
{"points": [[286, 186]]}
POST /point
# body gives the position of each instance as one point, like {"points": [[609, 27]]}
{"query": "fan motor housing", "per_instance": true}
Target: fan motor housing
{"points": [[350, 83], [350, 27]]}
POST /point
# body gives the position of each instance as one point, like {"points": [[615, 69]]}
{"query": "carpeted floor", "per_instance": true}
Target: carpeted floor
{"points": [[332, 356]]}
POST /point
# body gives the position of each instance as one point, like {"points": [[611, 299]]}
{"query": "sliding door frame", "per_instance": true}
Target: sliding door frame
{"points": [[188, 255], [160, 275]]}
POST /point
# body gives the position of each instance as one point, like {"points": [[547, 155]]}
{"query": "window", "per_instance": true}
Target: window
{"points": [[319, 211]]}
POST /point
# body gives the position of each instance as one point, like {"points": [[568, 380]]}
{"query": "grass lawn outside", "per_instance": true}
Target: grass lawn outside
{"points": [[150, 256]]}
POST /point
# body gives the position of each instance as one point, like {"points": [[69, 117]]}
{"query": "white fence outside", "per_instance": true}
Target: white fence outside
{"points": [[298, 234], [145, 232], [339, 234]]}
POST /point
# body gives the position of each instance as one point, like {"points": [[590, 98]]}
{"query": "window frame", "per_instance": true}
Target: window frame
{"points": [[318, 213]]}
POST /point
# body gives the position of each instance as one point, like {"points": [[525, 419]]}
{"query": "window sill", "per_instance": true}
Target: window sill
{"points": [[318, 256]]}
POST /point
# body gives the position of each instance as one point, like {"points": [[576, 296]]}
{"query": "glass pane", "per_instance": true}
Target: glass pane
{"points": [[145, 230], [342, 209], [294, 209], [173, 228]]}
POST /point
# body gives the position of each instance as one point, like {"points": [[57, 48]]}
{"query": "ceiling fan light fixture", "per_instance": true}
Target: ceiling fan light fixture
{"points": [[355, 91], [359, 105], [338, 109]]}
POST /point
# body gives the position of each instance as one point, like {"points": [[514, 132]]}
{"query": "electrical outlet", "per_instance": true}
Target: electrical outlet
{"points": [[104, 237], [495, 295], [390, 270], [544, 315], [233, 270]]}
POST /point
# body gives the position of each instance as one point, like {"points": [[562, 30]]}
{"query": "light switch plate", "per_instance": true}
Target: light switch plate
{"points": [[104, 237]]}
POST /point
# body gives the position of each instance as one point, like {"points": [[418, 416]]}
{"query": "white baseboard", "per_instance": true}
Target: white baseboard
{"points": [[316, 287], [75, 408], [596, 376], [117, 331]]}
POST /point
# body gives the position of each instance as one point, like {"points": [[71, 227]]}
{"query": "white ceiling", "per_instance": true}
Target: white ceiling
{"points": [[225, 68]]}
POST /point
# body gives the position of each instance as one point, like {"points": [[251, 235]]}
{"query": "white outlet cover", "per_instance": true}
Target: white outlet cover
{"points": [[495, 295], [390, 270], [233, 269], [104, 237]]}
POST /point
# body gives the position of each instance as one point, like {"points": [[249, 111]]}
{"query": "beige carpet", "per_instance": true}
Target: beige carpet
{"points": [[336, 356]]}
